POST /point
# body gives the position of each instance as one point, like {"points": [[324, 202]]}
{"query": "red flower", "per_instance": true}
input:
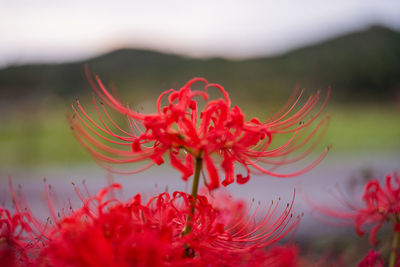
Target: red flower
{"points": [[110, 232], [372, 259], [13, 246], [381, 204], [20, 233], [186, 134], [283, 256], [106, 231]]}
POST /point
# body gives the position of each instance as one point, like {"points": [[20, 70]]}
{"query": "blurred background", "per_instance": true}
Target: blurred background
{"points": [[259, 51]]}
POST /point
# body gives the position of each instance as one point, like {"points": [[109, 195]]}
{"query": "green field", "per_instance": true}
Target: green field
{"points": [[45, 138]]}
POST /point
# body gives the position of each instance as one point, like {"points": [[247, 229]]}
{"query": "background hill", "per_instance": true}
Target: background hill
{"points": [[362, 66]]}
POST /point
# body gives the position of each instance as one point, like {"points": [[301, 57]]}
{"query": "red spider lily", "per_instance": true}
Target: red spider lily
{"points": [[373, 259], [186, 134], [106, 231], [381, 204], [20, 233], [283, 256], [13, 246]]}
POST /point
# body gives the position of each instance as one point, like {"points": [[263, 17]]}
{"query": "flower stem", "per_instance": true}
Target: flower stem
{"points": [[195, 188], [393, 252]]}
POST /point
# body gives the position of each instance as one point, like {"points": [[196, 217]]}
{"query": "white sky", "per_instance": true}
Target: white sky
{"points": [[55, 30]]}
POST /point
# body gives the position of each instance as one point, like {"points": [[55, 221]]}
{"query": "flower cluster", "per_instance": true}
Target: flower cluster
{"points": [[106, 231], [187, 134]]}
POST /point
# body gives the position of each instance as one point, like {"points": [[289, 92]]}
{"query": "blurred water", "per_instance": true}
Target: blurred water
{"points": [[317, 185]]}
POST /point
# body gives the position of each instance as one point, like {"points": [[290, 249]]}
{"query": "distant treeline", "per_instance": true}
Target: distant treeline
{"points": [[362, 66]]}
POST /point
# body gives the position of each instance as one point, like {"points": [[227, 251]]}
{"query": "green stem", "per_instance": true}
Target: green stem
{"points": [[393, 252], [195, 188]]}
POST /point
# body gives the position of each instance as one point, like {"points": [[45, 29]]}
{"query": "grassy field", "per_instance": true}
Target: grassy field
{"points": [[45, 138], [364, 129]]}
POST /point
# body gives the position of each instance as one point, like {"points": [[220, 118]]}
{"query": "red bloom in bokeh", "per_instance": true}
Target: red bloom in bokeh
{"points": [[13, 244], [20, 233], [382, 204], [372, 259], [186, 134], [283, 256]]}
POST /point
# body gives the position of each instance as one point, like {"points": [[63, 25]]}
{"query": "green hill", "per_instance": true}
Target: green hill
{"points": [[359, 66]]}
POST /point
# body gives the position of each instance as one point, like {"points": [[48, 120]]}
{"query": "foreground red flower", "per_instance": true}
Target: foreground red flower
{"points": [[106, 231], [192, 137]]}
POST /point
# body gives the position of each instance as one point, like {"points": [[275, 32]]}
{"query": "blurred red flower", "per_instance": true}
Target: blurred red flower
{"points": [[14, 244], [21, 234], [379, 204], [372, 259], [186, 134], [382, 204]]}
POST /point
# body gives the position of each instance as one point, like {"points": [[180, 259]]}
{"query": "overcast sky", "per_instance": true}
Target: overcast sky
{"points": [[54, 31]]}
